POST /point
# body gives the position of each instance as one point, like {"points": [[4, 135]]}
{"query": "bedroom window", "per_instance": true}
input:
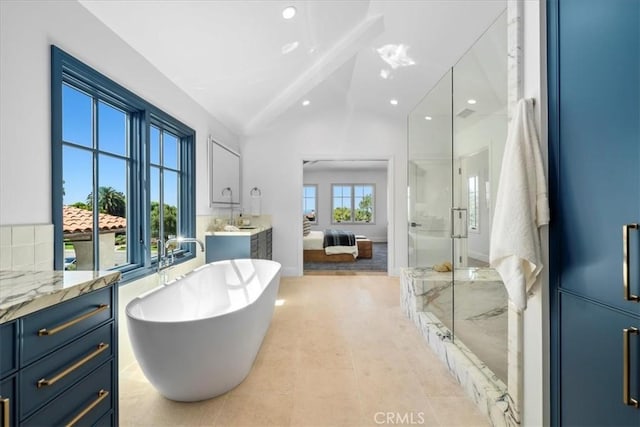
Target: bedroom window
{"points": [[310, 202], [353, 203], [115, 160]]}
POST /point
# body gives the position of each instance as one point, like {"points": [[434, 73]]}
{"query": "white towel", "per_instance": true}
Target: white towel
{"points": [[255, 205], [522, 206]]}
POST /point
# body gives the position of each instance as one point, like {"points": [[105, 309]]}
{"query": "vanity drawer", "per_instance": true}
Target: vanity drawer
{"points": [[8, 402], [54, 373], [85, 402], [8, 348], [53, 327]]}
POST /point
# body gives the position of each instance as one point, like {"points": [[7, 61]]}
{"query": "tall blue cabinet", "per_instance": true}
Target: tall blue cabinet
{"points": [[594, 180]]}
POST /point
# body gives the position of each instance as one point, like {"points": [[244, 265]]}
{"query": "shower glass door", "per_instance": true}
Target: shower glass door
{"points": [[431, 194], [456, 138], [479, 136]]}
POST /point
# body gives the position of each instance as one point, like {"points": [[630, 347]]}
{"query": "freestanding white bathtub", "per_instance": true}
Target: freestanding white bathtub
{"points": [[197, 337]]}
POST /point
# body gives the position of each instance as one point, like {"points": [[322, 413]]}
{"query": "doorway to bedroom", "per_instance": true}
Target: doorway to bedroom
{"points": [[345, 217]]}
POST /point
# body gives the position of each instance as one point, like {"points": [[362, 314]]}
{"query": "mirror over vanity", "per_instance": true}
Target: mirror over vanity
{"points": [[224, 174]]}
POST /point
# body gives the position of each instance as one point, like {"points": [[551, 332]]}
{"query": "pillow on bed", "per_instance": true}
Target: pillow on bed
{"points": [[306, 226]]}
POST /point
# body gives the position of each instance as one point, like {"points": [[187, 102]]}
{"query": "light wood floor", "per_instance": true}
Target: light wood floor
{"points": [[339, 352]]}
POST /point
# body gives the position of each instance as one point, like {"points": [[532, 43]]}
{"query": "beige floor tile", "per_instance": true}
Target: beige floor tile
{"points": [[326, 411], [339, 352], [259, 410], [457, 412]]}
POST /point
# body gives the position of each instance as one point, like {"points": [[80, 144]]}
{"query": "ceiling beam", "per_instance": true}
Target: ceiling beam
{"points": [[327, 63]]}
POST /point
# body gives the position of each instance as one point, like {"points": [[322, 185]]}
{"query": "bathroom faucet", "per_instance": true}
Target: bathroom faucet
{"points": [[166, 263]]}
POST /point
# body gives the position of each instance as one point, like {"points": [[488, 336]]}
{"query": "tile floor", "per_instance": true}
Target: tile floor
{"points": [[338, 353]]}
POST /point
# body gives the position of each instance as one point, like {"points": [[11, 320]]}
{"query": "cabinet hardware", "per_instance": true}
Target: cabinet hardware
{"points": [[55, 330], [102, 394], [625, 262], [47, 382], [626, 367], [5, 409]]}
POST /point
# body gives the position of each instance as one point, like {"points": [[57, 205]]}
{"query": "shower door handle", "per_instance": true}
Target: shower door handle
{"points": [[415, 224], [625, 262], [459, 212]]}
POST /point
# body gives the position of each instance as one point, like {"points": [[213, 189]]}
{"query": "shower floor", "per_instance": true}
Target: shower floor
{"points": [[479, 319]]}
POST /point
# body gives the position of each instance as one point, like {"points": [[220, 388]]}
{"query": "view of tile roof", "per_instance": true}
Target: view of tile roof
{"points": [[76, 220]]}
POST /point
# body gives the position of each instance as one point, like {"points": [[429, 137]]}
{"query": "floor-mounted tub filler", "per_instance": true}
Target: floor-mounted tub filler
{"points": [[197, 337]]}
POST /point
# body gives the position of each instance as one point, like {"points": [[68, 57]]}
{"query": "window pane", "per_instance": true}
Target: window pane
{"points": [[154, 136], [342, 203], [77, 216], [112, 129], [474, 202], [155, 209], [309, 202], [363, 202], [170, 212], [112, 206], [76, 116], [170, 150]]}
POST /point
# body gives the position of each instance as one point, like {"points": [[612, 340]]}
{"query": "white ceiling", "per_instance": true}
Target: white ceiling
{"points": [[227, 55]]}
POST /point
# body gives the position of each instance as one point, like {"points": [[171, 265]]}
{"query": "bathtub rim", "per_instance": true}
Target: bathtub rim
{"points": [[159, 288]]}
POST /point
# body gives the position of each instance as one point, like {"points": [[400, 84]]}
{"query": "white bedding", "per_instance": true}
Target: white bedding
{"points": [[315, 241]]}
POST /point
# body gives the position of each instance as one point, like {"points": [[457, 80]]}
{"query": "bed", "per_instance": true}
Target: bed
{"points": [[330, 247]]}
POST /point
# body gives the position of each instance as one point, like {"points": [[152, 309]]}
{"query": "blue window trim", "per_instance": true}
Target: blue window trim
{"points": [[66, 68]]}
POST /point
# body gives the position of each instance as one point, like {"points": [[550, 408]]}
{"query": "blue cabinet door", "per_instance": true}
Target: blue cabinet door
{"points": [[594, 178], [591, 374]]}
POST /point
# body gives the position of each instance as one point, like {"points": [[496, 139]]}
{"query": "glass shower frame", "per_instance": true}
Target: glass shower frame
{"points": [[456, 137]]}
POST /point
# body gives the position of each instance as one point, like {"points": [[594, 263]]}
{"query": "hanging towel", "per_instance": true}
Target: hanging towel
{"points": [[522, 206], [255, 205]]}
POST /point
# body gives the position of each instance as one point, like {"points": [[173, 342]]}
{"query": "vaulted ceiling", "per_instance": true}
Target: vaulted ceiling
{"points": [[248, 66]]}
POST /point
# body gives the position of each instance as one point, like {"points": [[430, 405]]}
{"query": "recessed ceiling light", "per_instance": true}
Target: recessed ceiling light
{"points": [[385, 73], [427, 117], [306, 102], [289, 12], [393, 102], [471, 101]]}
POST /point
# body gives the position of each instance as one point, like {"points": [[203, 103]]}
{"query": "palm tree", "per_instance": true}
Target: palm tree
{"points": [[110, 201]]}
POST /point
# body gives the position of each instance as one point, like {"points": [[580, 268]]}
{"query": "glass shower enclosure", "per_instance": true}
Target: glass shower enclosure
{"points": [[456, 138]]}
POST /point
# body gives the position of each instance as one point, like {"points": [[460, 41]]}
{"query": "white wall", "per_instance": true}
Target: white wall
{"points": [[27, 31], [377, 230], [273, 162]]}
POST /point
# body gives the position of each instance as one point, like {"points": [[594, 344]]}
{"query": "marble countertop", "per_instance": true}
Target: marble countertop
{"points": [[240, 232], [25, 292]]}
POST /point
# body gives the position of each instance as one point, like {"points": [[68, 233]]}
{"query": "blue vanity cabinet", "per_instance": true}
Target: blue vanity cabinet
{"points": [[594, 182], [256, 246], [66, 366], [8, 401], [8, 368]]}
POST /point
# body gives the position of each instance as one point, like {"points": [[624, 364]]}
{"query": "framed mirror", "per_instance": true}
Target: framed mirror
{"points": [[224, 174]]}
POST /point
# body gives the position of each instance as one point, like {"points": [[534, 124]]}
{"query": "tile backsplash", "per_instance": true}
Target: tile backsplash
{"points": [[26, 247]]}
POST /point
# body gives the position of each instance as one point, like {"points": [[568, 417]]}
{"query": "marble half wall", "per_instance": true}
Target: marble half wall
{"points": [[479, 382]]}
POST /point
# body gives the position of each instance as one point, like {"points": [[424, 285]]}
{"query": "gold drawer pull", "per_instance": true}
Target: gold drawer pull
{"points": [[102, 394], [5, 409], [626, 367], [45, 331], [625, 261], [45, 382]]}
